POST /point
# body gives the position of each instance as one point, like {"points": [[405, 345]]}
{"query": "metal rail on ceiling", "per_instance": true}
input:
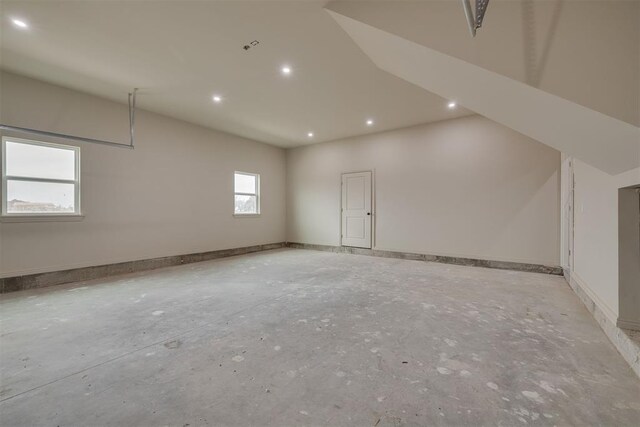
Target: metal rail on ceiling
{"points": [[471, 21], [132, 122], [475, 22]]}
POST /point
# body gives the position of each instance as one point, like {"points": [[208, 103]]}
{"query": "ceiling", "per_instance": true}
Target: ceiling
{"points": [[609, 144], [181, 53], [584, 51]]}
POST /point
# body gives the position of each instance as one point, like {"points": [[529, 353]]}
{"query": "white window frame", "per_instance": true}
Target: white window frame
{"points": [[40, 216], [257, 194]]}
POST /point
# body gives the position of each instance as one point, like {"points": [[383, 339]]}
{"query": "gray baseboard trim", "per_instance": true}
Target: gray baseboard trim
{"points": [[628, 324], [503, 265], [41, 280], [627, 342]]}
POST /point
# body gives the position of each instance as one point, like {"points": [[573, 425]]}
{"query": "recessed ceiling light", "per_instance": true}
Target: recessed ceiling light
{"points": [[310, 134], [369, 122], [19, 23], [286, 70], [452, 105], [217, 99]]}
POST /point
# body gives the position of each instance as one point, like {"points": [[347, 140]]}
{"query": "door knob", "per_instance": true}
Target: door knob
{"points": [[368, 213]]}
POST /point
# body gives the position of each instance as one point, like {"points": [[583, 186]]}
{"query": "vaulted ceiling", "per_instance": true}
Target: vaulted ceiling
{"points": [[181, 53], [585, 51], [581, 98]]}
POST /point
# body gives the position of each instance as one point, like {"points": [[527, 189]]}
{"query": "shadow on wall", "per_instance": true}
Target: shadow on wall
{"points": [[523, 203], [534, 64], [508, 202], [629, 258]]}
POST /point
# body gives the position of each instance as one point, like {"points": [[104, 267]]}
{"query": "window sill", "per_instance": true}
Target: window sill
{"points": [[41, 218], [246, 215]]}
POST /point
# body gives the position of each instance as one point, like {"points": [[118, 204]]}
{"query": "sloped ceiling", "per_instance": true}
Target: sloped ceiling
{"points": [[586, 51], [604, 141], [179, 53]]}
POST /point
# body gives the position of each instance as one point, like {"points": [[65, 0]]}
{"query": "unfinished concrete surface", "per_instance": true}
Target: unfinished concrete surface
{"points": [[298, 337]]}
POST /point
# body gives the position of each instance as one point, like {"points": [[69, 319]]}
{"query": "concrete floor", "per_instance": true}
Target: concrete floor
{"points": [[295, 337]]}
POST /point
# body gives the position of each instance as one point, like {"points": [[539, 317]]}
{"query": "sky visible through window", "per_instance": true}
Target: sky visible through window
{"points": [[245, 183]]}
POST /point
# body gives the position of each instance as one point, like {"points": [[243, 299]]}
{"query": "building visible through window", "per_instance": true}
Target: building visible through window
{"points": [[39, 178]]}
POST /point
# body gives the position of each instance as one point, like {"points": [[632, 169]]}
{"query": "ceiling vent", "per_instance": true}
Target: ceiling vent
{"points": [[250, 45]]}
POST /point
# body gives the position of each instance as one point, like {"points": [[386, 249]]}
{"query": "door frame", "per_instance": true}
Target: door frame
{"points": [[571, 216], [373, 207]]}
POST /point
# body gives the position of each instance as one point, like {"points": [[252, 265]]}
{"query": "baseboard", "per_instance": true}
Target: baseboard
{"points": [[628, 324], [41, 280], [590, 297], [503, 265], [627, 342]]}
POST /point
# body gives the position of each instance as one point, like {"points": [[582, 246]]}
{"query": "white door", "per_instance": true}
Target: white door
{"points": [[356, 209]]}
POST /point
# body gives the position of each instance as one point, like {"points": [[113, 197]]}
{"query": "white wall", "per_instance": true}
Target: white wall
{"points": [[172, 195], [595, 234], [595, 241], [465, 187]]}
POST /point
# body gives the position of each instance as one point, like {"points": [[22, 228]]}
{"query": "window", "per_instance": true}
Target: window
{"points": [[247, 193], [39, 178]]}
